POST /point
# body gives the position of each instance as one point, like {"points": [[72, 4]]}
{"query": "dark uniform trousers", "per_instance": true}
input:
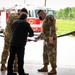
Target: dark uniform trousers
{"points": [[20, 54]]}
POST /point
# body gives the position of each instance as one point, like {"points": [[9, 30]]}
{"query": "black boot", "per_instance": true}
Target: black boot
{"points": [[11, 73], [24, 74]]}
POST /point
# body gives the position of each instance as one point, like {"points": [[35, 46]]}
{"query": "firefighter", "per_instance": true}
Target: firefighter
{"points": [[50, 42], [7, 32]]}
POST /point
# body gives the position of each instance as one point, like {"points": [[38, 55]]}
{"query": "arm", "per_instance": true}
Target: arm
{"points": [[52, 34], [11, 18], [31, 32]]}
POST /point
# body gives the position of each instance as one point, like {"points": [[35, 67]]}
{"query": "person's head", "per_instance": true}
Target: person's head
{"points": [[49, 19], [23, 16], [23, 10], [41, 14]]}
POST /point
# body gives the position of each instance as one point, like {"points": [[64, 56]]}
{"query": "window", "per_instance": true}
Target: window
{"points": [[30, 13], [52, 12]]}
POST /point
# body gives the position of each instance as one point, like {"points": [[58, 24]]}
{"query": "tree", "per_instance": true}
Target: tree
{"points": [[66, 13]]}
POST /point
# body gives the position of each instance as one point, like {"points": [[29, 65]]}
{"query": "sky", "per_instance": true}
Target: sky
{"points": [[53, 4]]}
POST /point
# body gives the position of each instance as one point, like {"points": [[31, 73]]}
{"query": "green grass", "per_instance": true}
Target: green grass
{"points": [[65, 26]]}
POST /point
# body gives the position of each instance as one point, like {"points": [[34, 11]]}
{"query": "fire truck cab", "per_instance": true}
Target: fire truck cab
{"points": [[32, 18]]}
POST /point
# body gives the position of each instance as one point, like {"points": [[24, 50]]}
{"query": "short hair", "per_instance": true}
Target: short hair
{"points": [[50, 17], [24, 10], [40, 11], [23, 16]]}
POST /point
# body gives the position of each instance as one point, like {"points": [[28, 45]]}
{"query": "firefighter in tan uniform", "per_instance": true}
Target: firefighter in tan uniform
{"points": [[50, 42], [7, 34]]}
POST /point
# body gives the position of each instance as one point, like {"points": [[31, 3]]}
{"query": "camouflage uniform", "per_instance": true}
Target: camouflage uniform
{"points": [[7, 33], [50, 50], [45, 53], [49, 30]]}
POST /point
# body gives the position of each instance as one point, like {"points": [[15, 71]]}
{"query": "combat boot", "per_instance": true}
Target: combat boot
{"points": [[15, 68], [53, 71], [3, 67], [44, 69]]}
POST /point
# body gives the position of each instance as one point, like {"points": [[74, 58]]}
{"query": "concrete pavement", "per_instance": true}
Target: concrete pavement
{"points": [[33, 56]]}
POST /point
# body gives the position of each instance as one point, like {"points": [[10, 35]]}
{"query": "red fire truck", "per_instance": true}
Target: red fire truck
{"points": [[34, 20], [33, 17], [3, 19]]}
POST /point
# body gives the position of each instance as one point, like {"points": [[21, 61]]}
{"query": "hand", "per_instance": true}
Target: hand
{"points": [[36, 39], [51, 40], [27, 40]]}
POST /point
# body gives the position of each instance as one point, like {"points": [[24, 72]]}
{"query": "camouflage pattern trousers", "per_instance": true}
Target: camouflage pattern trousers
{"points": [[50, 53], [5, 52]]}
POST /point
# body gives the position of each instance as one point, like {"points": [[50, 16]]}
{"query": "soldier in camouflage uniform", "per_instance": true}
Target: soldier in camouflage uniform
{"points": [[7, 33], [50, 42]]}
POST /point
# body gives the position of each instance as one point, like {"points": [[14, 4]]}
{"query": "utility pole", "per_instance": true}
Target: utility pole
{"points": [[45, 3], [24, 1]]}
